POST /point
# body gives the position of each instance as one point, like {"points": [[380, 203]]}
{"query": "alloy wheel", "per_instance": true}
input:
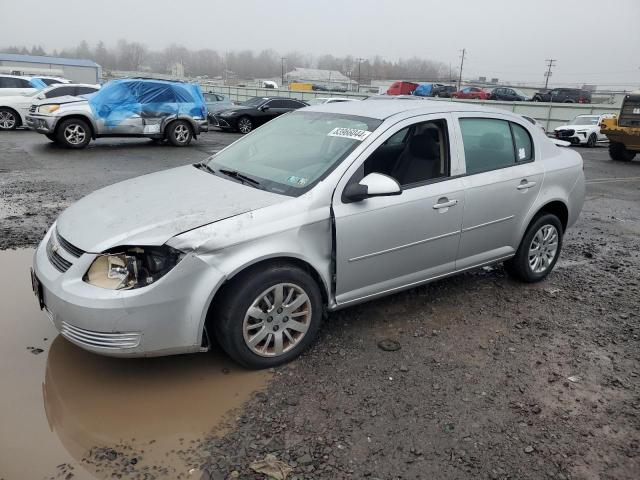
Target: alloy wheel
{"points": [[277, 320], [74, 134], [7, 120], [182, 133], [244, 125], [543, 248]]}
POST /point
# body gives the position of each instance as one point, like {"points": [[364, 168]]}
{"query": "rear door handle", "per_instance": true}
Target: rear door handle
{"points": [[524, 185], [444, 202]]}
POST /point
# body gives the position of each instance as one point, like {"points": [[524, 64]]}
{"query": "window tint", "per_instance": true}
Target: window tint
{"points": [[59, 92], [414, 155], [9, 82], [278, 104], [85, 90], [487, 144], [524, 145], [50, 81]]}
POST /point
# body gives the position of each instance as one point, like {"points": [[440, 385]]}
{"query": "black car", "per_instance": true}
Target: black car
{"points": [[442, 91], [563, 95], [508, 95], [254, 112]]}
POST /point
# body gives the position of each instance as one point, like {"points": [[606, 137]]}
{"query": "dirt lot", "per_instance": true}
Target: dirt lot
{"points": [[494, 379]]}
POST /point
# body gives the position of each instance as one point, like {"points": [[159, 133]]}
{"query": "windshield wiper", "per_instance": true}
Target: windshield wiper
{"points": [[206, 166], [237, 175]]}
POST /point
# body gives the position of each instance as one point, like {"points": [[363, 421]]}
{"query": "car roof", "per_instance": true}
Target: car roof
{"points": [[26, 77], [383, 110]]}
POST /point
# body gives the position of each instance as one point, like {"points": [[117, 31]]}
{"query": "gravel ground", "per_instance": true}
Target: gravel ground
{"points": [[493, 378]]}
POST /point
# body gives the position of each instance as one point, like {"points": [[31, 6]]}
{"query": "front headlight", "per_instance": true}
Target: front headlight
{"points": [[48, 108], [126, 268]]}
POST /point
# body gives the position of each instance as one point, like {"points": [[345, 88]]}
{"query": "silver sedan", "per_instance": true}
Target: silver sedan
{"points": [[320, 209]]}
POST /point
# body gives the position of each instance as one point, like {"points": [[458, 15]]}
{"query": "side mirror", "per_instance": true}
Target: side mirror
{"points": [[264, 108], [373, 185]]}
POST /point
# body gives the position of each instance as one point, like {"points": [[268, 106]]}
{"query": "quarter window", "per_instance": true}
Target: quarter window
{"points": [[489, 144], [523, 143]]}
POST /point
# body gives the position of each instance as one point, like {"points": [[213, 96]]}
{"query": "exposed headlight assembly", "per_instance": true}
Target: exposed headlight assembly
{"points": [[48, 108], [126, 268]]}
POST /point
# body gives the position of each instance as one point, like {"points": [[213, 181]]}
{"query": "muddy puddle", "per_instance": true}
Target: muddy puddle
{"points": [[64, 410]]}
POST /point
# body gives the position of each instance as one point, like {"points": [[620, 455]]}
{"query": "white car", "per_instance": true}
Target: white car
{"points": [[323, 100], [53, 80], [535, 122], [19, 85], [14, 109], [583, 130]]}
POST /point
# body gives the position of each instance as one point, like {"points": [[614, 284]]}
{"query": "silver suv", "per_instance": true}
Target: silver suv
{"points": [[155, 109], [315, 211]]}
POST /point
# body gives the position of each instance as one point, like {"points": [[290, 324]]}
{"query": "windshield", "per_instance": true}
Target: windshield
{"points": [[316, 101], [254, 102], [291, 153], [584, 120], [520, 92]]}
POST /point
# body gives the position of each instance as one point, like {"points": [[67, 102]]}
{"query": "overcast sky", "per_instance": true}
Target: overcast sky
{"points": [[594, 41]]}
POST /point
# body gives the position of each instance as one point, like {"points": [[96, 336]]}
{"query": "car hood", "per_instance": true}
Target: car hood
{"points": [[236, 107], [577, 127], [151, 209], [59, 100]]}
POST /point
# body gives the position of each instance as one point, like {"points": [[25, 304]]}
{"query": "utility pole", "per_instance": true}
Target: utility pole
{"points": [[551, 62], [464, 52], [282, 59], [360, 60]]}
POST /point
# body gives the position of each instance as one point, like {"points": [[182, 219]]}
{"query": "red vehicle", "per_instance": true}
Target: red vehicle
{"points": [[401, 88], [472, 93]]}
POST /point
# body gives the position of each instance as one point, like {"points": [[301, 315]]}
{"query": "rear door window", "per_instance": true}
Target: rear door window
{"points": [[488, 144]]}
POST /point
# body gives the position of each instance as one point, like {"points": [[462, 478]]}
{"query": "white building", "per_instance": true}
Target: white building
{"points": [[76, 70]]}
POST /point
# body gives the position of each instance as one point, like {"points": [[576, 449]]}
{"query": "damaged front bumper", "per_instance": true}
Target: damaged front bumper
{"points": [[166, 317], [42, 123]]}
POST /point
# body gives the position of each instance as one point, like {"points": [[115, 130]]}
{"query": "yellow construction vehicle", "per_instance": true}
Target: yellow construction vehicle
{"points": [[623, 131]]}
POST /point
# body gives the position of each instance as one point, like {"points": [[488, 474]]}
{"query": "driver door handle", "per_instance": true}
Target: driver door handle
{"points": [[444, 202]]}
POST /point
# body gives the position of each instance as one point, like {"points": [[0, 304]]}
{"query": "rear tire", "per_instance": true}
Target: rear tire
{"points": [[9, 119], [179, 133], [249, 328], [538, 251], [620, 153], [73, 133]]}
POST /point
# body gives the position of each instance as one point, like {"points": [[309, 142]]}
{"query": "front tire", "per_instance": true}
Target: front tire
{"points": [[9, 119], [51, 137], [620, 153], [268, 317], [592, 140], [245, 125], [74, 133], [179, 133], [538, 251]]}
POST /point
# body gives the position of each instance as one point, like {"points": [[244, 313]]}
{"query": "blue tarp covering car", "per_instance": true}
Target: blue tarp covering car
{"points": [[154, 99], [423, 90]]}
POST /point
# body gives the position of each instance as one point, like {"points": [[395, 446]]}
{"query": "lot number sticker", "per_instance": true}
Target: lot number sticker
{"points": [[352, 133]]}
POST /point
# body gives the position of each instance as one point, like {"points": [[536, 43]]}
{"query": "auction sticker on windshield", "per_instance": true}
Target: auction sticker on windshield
{"points": [[352, 133]]}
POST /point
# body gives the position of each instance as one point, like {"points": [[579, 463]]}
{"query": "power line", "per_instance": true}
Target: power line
{"points": [[464, 51], [547, 74]]}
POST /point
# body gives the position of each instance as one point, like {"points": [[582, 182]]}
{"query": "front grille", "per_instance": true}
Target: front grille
{"points": [[116, 340], [55, 243], [32, 109], [61, 263], [73, 250], [564, 133]]}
